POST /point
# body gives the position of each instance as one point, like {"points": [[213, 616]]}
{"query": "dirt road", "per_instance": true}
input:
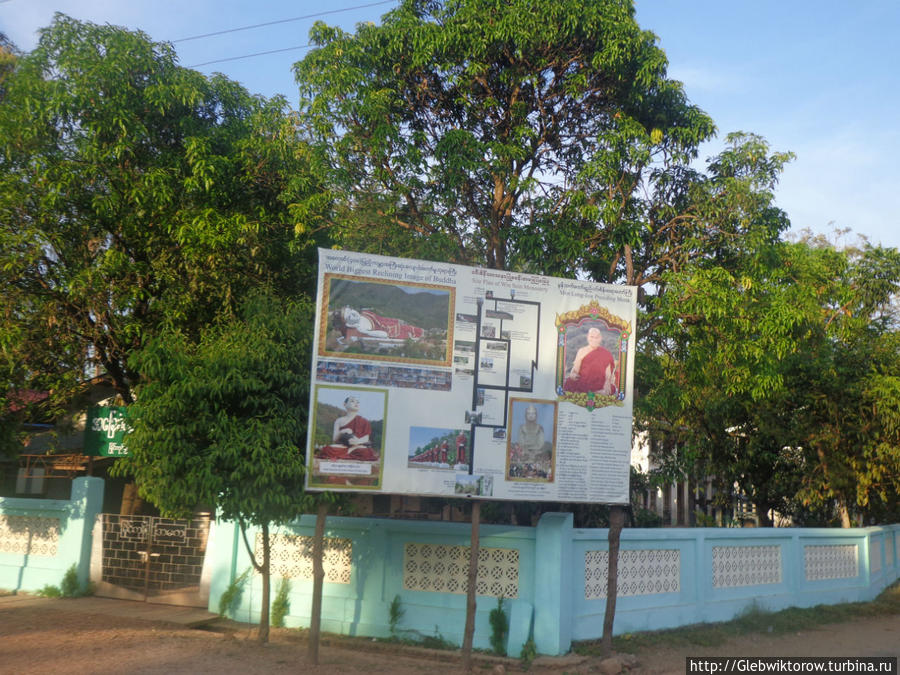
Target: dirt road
{"points": [[69, 636], [874, 636]]}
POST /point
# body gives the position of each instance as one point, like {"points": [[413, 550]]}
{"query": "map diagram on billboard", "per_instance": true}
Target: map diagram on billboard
{"points": [[438, 379]]}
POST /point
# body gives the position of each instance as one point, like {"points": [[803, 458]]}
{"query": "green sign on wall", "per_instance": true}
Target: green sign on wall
{"points": [[104, 432]]}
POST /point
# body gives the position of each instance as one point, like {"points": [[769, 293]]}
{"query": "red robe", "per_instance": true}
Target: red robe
{"points": [[592, 374], [461, 443], [359, 427]]}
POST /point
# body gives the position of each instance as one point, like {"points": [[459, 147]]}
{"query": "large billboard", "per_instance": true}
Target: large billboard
{"points": [[444, 380]]}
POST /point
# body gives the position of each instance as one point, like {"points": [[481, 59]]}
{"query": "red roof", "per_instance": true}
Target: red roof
{"points": [[23, 398]]}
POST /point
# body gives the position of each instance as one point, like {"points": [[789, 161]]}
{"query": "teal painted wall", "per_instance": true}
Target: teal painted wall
{"points": [[29, 558], [699, 600], [362, 606], [671, 577], [553, 606]]}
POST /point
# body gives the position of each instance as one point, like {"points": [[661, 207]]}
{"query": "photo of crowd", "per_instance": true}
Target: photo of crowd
{"points": [[438, 448], [383, 376]]}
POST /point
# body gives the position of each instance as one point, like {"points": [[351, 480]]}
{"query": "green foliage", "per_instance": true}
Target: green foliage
{"points": [[646, 518], [781, 375], [133, 193], [704, 520], [281, 605], [514, 135], [499, 628], [411, 636], [231, 597], [528, 653], [222, 421], [395, 615], [436, 641], [68, 588], [49, 591]]}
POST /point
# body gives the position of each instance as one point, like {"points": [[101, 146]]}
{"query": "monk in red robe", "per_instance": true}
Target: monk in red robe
{"points": [[594, 368], [461, 443], [351, 437]]}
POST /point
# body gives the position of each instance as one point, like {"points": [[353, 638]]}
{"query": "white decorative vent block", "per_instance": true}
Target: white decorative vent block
{"points": [[292, 557], [831, 562], [641, 572], [874, 556], [29, 535], [735, 566], [444, 569]]}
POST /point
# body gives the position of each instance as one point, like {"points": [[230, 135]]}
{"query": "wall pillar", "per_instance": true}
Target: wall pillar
{"points": [[85, 504], [554, 571]]}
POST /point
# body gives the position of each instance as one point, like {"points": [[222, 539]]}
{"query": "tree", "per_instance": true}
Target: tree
{"points": [[134, 192], [780, 375], [222, 421], [850, 413], [511, 134]]}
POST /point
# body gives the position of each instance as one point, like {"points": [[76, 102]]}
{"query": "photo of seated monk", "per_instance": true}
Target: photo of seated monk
{"points": [[594, 368], [351, 438]]}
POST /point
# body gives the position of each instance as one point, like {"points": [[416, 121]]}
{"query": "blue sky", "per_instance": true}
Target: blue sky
{"points": [[816, 77]]}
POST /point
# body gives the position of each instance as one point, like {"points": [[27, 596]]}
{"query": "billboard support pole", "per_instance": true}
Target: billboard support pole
{"points": [[616, 522], [470, 595], [315, 619]]}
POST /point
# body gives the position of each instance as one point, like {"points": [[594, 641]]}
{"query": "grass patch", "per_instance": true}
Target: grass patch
{"points": [[754, 620], [231, 597], [282, 603], [413, 638], [69, 588]]}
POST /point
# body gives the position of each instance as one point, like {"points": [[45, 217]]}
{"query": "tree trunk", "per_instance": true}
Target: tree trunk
{"points": [[126, 508], [315, 621], [470, 597], [842, 509], [844, 513], [263, 636], [132, 503], [616, 522]]}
